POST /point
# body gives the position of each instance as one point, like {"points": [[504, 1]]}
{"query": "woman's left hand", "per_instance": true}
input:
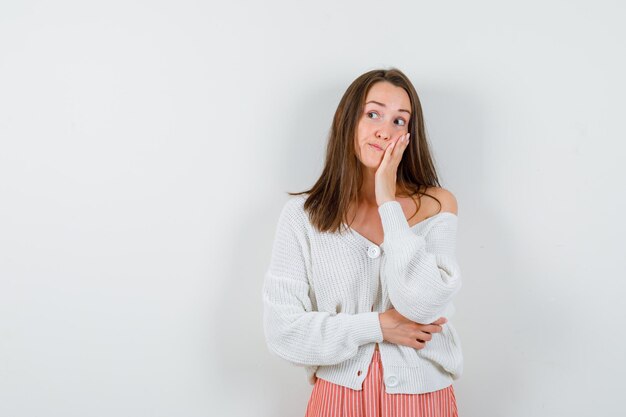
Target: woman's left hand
{"points": [[385, 178]]}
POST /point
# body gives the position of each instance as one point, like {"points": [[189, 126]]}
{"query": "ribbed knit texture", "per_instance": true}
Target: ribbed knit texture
{"points": [[332, 400], [323, 292]]}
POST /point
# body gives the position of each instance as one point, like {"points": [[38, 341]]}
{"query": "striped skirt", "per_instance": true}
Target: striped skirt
{"points": [[331, 400]]}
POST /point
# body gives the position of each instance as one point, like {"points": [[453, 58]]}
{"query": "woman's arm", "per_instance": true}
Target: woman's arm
{"points": [[421, 272], [292, 330]]}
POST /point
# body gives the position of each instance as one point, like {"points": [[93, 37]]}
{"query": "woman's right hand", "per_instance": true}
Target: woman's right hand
{"points": [[402, 331]]}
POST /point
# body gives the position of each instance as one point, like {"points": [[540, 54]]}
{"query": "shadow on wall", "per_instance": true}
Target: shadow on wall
{"points": [[242, 360]]}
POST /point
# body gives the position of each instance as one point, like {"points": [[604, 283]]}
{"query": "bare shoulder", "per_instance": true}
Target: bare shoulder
{"points": [[446, 198]]}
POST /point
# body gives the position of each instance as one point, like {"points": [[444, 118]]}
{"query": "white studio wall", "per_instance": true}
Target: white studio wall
{"points": [[146, 149]]}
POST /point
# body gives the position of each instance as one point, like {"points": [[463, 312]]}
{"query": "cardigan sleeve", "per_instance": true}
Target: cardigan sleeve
{"points": [[293, 331], [421, 272]]}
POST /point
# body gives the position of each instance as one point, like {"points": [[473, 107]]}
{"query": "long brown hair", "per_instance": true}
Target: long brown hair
{"points": [[340, 181]]}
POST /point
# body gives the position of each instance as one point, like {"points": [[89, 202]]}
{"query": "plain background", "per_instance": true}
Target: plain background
{"points": [[146, 148]]}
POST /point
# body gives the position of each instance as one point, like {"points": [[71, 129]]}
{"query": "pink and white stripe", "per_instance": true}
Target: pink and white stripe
{"points": [[331, 400]]}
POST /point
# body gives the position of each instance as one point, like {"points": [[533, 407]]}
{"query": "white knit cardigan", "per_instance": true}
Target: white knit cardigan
{"points": [[323, 292]]}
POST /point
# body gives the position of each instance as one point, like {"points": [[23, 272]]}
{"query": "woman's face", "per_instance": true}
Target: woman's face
{"points": [[385, 117]]}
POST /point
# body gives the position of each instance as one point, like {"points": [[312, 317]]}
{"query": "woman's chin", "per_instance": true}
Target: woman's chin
{"points": [[371, 162]]}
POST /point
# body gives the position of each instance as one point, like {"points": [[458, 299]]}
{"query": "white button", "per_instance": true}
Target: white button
{"points": [[391, 380], [373, 251]]}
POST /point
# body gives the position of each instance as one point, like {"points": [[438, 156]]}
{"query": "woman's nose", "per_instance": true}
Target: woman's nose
{"points": [[382, 134]]}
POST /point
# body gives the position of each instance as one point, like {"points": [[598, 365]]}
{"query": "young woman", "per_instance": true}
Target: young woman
{"points": [[363, 269]]}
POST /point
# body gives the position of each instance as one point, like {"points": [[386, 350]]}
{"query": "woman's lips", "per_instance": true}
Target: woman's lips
{"points": [[378, 148]]}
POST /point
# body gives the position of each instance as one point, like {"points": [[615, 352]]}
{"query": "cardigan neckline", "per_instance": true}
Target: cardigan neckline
{"points": [[368, 242]]}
